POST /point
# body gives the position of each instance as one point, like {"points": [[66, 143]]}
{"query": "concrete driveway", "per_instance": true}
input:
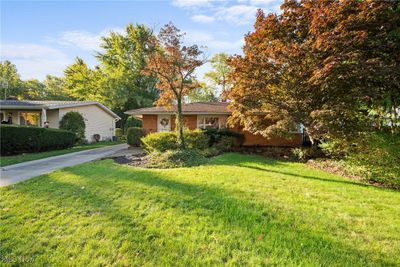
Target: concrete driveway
{"points": [[23, 171]]}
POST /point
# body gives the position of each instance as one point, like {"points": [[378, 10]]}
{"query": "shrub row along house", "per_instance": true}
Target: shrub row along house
{"points": [[98, 118], [205, 115]]}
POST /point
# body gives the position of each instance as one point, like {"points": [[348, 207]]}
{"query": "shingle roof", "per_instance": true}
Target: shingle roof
{"points": [[189, 108], [50, 104]]}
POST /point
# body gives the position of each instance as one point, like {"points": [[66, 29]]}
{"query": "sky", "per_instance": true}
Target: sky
{"points": [[43, 37]]}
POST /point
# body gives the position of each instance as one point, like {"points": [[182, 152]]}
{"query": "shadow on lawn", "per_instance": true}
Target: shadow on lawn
{"points": [[212, 202], [277, 163]]}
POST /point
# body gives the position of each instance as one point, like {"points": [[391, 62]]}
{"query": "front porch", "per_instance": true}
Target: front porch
{"points": [[29, 117]]}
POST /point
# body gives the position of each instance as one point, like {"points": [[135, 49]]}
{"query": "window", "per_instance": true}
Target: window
{"points": [[209, 122], [2, 116], [29, 118]]}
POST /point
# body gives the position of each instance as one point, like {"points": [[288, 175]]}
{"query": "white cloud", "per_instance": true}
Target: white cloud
{"points": [[264, 2], [238, 14], [82, 39], [34, 61], [212, 42], [203, 18], [192, 3]]}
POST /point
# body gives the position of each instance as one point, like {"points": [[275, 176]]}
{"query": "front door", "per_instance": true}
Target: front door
{"points": [[163, 123]]}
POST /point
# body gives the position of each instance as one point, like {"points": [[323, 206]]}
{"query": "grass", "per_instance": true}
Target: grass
{"points": [[9, 160], [237, 210]]}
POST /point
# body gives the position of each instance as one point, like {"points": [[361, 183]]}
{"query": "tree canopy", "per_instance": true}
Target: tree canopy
{"points": [[173, 64], [322, 64]]}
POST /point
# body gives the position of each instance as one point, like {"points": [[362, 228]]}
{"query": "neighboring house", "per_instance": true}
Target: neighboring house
{"points": [[98, 118], [204, 115]]}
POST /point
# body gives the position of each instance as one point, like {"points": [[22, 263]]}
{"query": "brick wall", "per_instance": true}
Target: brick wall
{"points": [[253, 140], [150, 126]]}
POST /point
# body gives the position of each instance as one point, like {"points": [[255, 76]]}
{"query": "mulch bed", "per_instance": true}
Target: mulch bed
{"points": [[132, 160]]}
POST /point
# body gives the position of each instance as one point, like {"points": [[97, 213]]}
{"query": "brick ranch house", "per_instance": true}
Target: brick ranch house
{"points": [[205, 115]]}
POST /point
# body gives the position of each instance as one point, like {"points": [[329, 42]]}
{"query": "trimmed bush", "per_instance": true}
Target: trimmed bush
{"points": [[25, 139], [215, 136], [74, 122], [210, 152], [161, 141], [196, 139], [226, 143], [134, 135], [175, 158], [118, 132]]}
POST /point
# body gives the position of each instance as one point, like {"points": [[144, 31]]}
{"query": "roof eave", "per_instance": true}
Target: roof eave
{"points": [[22, 107], [173, 112]]}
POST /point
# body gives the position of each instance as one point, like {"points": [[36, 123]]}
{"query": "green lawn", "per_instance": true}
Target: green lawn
{"points": [[9, 160], [237, 210]]}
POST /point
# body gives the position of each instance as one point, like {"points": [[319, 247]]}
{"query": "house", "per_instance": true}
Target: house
{"points": [[98, 118], [205, 115]]}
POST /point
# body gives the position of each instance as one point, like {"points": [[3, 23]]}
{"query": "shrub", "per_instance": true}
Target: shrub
{"points": [[215, 136], [175, 158], [118, 132], [379, 155], [160, 141], [196, 139], [226, 143], [163, 141], [132, 122], [305, 153], [335, 148], [134, 134], [25, 139], [74, 122], [210, 152]]}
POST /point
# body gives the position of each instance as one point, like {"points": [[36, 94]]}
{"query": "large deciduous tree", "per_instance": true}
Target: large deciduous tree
{"points": [[10, 80], [174, 63], [218, 75], [122, 60], [322, 64], [82, 82]]}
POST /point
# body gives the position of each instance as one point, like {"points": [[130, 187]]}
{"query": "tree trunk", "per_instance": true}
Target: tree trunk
{"points": [[179, 124]]}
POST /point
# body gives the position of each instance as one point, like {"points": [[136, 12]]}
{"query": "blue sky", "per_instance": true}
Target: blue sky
{"points": [[43, 37]]}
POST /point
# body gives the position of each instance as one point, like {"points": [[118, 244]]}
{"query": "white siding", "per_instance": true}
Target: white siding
{"points": [[96, 119], [52, 118]]}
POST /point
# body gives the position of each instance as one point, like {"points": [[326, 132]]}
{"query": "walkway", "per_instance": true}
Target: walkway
{"points": [[23, 171]]}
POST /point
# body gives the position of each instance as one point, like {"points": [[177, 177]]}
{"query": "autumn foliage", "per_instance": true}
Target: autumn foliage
{"points": [[323, 64], [173, 64]]}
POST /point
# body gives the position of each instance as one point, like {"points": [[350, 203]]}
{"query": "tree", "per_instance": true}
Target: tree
{"points": [[10, 81], [74, 122], [203, 93], [219, 74], [83, 83], [320, 63], [55, 89], [173, 64], [122, 61], [33, 90]]}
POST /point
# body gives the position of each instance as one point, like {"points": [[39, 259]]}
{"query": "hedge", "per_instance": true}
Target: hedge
{"points": [[134, 134], [217, 135], [25, 139]]}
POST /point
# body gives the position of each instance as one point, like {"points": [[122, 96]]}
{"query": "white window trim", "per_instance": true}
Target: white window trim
{"points": [[29, 111], [203, 118]]}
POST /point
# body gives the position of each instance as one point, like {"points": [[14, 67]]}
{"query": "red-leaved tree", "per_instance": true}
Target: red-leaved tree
{"points": [[322, 64], [173, 64]]}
